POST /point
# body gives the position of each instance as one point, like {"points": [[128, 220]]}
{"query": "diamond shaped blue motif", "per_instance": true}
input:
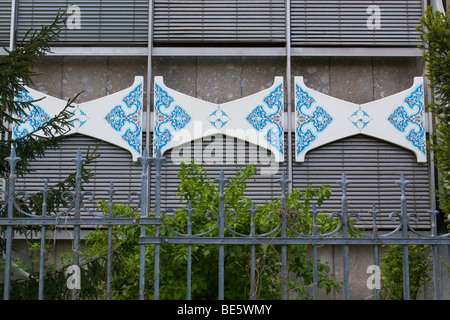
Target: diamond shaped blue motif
{"points": [[360, 118], [79, 119], [257, 118], [218, 118], [321, 119], [179, 118], [116, 118], [29, 122], [400, 119]]}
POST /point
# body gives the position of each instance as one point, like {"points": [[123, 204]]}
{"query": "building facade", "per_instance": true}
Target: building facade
{"points": [[221, 51]]}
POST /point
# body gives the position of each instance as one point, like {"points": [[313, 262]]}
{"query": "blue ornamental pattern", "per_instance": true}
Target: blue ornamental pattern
{"points": [[178, 118], [260, 118], [218, 118], [319, 119], [360, 119], [29, 122], [79, 118], [402, 118], [118, 118]]}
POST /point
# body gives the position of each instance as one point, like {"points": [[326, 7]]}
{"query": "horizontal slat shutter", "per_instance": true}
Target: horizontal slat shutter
{"points": [[102, 22], [5, 22], [114, 165], [373, 166], [343, 23], [219, 21]]}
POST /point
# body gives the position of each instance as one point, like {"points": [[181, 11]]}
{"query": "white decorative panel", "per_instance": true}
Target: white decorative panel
{"points": [[116, 118], [257, 118], [398, 119]]}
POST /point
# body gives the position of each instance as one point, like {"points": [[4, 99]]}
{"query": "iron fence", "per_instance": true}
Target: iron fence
{"points": [[222, 234]]}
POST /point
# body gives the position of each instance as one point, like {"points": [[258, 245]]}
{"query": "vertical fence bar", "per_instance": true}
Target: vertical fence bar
{"points": [[284, 182], [144, 160], [437, 290], [403, 183], [111, 192], [221, 181], [42, 250], [158, 161], [376, 255], [189, 211], [12, 160], [79, 161], [344, 184], [252, 254], [315, 256], [376, 259]]}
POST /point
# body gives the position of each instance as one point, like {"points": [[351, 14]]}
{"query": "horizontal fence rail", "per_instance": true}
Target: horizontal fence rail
{"points": [[283, 233]]}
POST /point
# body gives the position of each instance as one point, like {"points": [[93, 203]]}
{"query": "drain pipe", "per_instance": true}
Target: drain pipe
{"points": [[289, 92]]}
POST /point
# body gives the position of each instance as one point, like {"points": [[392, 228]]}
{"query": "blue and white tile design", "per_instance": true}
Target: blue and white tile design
{"points": [[309, 121], [126, 118], [410, 119], [270, 118], [177, 119], [32, 120], [398, 119]]}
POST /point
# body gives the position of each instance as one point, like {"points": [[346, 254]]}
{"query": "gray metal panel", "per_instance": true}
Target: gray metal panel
{"points": [[373, 166], [219, 21], [318, 22], [114, 165], [260, 189], [5, 22], [102, 22]]}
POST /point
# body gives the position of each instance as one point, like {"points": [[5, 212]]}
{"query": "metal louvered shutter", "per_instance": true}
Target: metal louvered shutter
{"points": [[234, 21], [373, 166], [316, 23], [114, 165], [261, 189], [102, 22], [5, 22]]}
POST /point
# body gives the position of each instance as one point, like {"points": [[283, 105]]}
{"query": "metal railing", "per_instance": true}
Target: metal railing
{"points": [[222, 234]]}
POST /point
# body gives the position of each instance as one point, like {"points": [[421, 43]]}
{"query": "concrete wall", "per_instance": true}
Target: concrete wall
{"points": [[216, 79]]}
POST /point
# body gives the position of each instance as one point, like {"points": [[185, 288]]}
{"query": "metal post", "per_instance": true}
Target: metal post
{"points": [[403, 183], [42, 250], [221, 181], [344, 184], [149, 72], [12, 160], [79, 161], [158, 161], [111, 192], [434, 248], [376, 255], [284, 216], [315, 255], [13, 26], [189, 211], [145, 161], [289, 89], [252, 254]]}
